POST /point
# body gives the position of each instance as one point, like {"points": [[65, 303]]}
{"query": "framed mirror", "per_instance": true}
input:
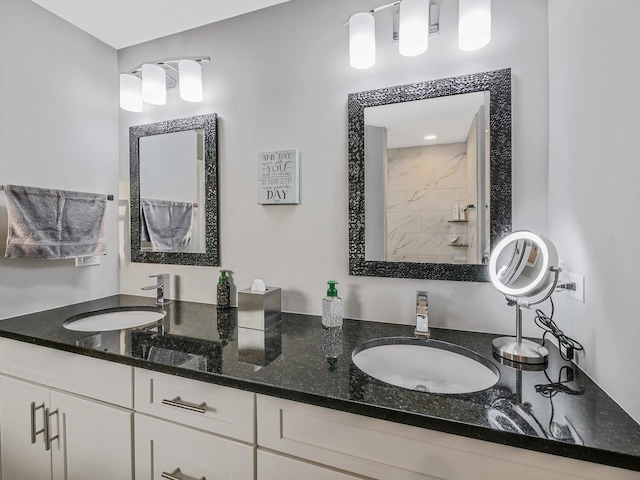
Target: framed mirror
{"points": [[430, 177], [174, 191]]}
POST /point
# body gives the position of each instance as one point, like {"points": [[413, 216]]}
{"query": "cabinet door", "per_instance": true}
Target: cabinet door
{"points": [[276, 467], [95, 439], [22, 459], [176, 451]]}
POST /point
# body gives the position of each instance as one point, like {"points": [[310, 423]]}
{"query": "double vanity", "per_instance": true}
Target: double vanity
{"points": [[194, 396]]}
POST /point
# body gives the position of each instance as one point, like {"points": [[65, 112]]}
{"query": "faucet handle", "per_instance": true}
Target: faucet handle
{"points": [[163, 279]]}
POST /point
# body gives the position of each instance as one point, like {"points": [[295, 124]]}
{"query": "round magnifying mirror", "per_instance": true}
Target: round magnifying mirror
{"points": [[520, 265], [523, 265]]}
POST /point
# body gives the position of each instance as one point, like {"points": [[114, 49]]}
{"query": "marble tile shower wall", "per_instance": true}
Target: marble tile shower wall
{"points": [[423, 185]]}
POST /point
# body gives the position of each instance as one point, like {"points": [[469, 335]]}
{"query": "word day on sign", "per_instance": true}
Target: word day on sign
{"points": [[278, 178]]}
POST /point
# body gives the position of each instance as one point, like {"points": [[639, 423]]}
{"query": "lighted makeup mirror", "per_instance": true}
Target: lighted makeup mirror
{"points": [[523, 266]]}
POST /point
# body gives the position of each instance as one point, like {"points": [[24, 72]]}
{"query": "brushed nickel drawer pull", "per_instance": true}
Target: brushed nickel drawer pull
{"points": [[47, 428], [35, 433], [178, 402], [178, 475]]}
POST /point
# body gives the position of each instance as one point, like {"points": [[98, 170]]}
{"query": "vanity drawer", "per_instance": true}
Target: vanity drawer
{"points": [[226, 411], [163, 447], [272, 466], [87, 376], [382, 450]]}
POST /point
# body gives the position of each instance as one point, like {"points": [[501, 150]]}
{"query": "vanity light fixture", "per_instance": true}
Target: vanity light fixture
{"points": [[154, 84], [474, 24], [130, 92], [416, 20], [150, 81], [190, 80], [413, 27], [362, 40]]}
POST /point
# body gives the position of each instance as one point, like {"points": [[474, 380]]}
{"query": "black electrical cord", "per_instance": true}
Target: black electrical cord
{"points": [[551, 389], [546, 323]]}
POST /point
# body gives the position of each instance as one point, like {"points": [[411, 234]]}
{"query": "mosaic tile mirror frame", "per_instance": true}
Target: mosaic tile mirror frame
{"points": [[205, 175], [495, 87]]}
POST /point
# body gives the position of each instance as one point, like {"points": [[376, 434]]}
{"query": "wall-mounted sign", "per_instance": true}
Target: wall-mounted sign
{"points": [[278, 178]]}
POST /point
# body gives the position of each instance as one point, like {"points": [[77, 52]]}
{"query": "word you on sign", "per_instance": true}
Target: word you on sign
{"points": [[278, 177]]}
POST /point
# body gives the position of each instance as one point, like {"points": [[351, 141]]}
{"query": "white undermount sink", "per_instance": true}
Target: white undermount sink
{"points": [[425, 365], [118, 318]]}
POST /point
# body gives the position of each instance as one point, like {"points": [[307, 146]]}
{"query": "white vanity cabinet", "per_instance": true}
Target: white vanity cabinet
{"points": [[79, 433], [186, 429], [87, 437], [372, 448], [23, 454]]}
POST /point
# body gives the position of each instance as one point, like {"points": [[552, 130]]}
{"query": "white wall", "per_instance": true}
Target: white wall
{"points": [[594, 178], [279, 79], [58, 129]]}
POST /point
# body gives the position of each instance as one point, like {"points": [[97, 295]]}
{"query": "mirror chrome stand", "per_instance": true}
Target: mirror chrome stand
{"points": [[518, 349]]}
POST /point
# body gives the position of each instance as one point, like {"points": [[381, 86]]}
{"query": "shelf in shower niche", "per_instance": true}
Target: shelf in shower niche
{"points": [[458, 244], [458, 221]]}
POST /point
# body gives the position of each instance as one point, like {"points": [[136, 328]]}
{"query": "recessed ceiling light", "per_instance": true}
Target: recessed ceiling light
{"points": [[430, 137]]}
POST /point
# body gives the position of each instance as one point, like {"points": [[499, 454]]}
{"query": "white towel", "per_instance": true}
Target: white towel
{"points": [[166, 224], [54, 224]]}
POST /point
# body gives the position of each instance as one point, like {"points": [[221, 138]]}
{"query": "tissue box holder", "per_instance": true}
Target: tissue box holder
{"points": [[259, 310]]}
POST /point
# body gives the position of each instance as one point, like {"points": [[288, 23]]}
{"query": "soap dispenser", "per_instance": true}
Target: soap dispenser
{"points": [[224, 290], [332, 307]]}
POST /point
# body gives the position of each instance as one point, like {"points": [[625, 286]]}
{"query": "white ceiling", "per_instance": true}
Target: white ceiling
{"points": [[122, 23], [449, 118]]}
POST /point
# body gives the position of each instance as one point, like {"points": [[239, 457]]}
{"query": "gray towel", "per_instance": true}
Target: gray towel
{"points": [[166, 224], [54, 224]]}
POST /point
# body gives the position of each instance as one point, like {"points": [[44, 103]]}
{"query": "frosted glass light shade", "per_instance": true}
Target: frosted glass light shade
{"points": [[190, 73], [130, 92], [362, 40], [414, 27], [474, 24], [154, 84]]}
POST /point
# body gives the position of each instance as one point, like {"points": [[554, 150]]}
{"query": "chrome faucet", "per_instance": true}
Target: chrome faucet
{"points": [[162, 287], [422, 314]]}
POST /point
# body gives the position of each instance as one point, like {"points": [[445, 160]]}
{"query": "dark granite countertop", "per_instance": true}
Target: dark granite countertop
{"points": [[559, 410]]}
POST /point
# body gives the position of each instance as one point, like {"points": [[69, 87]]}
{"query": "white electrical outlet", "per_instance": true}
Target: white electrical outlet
{"points": [[87, 261], [578, 293]]}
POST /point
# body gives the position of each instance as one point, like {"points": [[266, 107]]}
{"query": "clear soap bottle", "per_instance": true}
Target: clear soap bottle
{"points": [[332, 307]]}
